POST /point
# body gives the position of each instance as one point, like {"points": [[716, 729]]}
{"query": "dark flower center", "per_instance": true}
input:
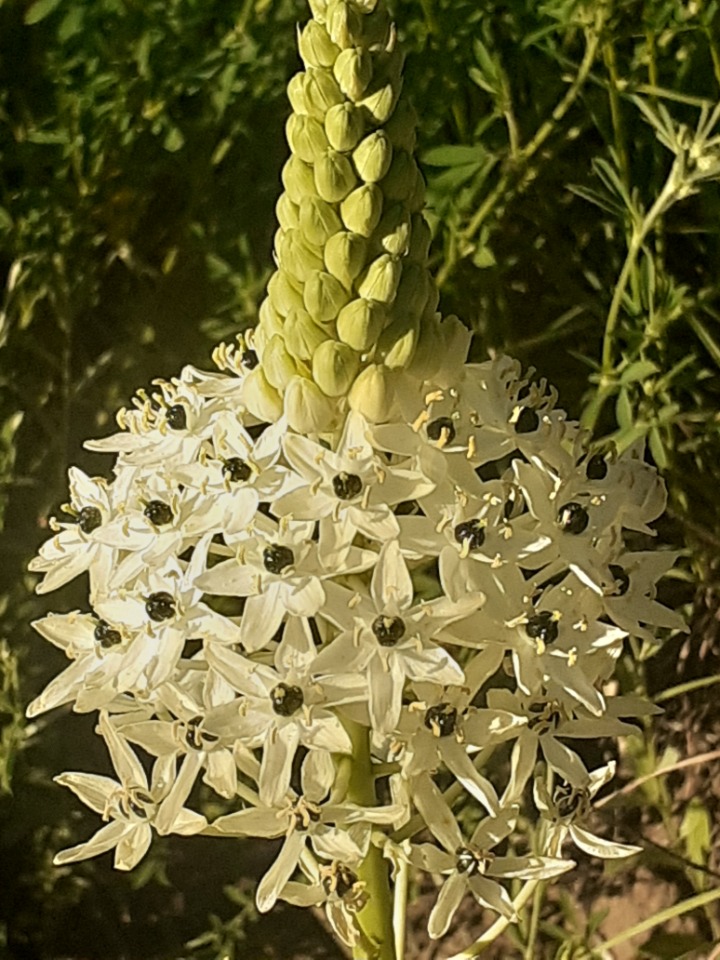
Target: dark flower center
{"points": [[176, 417], [340, 881], [346, 485], [471, 532], [286, 700], [106, 635], [195, 737], [442, 427], [160, 606], [596, 468], [249, 359], [573, 518], [277, 557], [466, 860], [236, 470], [89, 519], [543, 626], [388, 630], [441, 719], [622, 580], [528, 421], [158, 513]]}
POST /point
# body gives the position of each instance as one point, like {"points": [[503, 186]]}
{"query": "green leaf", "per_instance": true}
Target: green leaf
{"points": [[174, 140], [6, 221], [453, 155], [696, 831], [624, 411], [673, 946], [657, 448], [639, 370], [39, 10], [71, 24]]}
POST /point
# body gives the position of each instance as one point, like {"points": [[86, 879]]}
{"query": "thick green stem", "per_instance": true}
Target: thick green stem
{"points": [[375, 918]]}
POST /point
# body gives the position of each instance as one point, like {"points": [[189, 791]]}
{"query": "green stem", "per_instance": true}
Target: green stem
{"points": [[687, 687], [375, 918], [400, 899]]}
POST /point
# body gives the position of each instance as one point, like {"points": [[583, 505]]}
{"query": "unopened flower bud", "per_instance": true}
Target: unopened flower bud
{"points": [[334, 367], [381, 280], [456, 344], [298, 179], [277, 363], [413, 291], [362, 209], [318, 220], [324, 296], [379, 103], [353, 72], [307, 408], [420, 239], [261, 399], [287, 212], [344, 24], [321, 92], [402, 126], [360, 323], [345, 256], [302, 336], [344, 126], [306, 137], [285, 294], [372, 393], [334, 176], [400, 180], [373, 156], [296, 93], [397, 343], [394, 230], [270, 323], [316, 47], [297, 257], [429, 351], [319, 9]]}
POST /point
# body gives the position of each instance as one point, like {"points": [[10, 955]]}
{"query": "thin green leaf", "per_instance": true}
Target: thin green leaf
{"points": [[706, 338], [453, 155], [639, 370], [39, 10]]}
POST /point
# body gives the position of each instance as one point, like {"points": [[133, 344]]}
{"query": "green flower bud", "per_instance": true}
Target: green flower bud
{"points": [[345, 256], [315, 46], [287, 212], [298, 179], [277, 363], [270, 323], [285, 294], [413, 291], [324, 296], [400, 181], [420, 239], [334, 176], [394, 230], [372, 393], [372, 158], [306, 137], [262, 400], [353, 72], [321, 92], [429, 351], [416, 200], [334, 367], [297, 257], [344, 126], [366, 6], [296, 93], [402, 127], [318, 220], [307, 408], [360, 323], [381, 280], [362, 209], [397, 343], [379, 103], [319, 9], [302, 336], [344, 24]]}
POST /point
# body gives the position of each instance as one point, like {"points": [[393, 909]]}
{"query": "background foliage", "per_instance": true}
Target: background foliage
{"points": [[140, 150]]}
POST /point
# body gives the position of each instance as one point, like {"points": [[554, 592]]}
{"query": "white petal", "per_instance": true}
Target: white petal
{"points": [[280, 872], [449, 899]]}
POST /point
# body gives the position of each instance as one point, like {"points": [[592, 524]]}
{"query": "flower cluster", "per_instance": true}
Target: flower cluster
{"points": [[265, 605]]}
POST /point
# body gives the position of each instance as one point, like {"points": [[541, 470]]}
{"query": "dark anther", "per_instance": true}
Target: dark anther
{"points": [[195, 736], [471, 532], [249, 359], [573, 518], [528, 421], [543, 626], [442, 427], [596, 468], [236, 470], [340, 881], [622, 580], [441, 719], [106, 635], [160, 606], [277, 557], [466, 860], [388, 630], [158, 513], [89, 519], [176, 417], [346, 485], [286, 700]]}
